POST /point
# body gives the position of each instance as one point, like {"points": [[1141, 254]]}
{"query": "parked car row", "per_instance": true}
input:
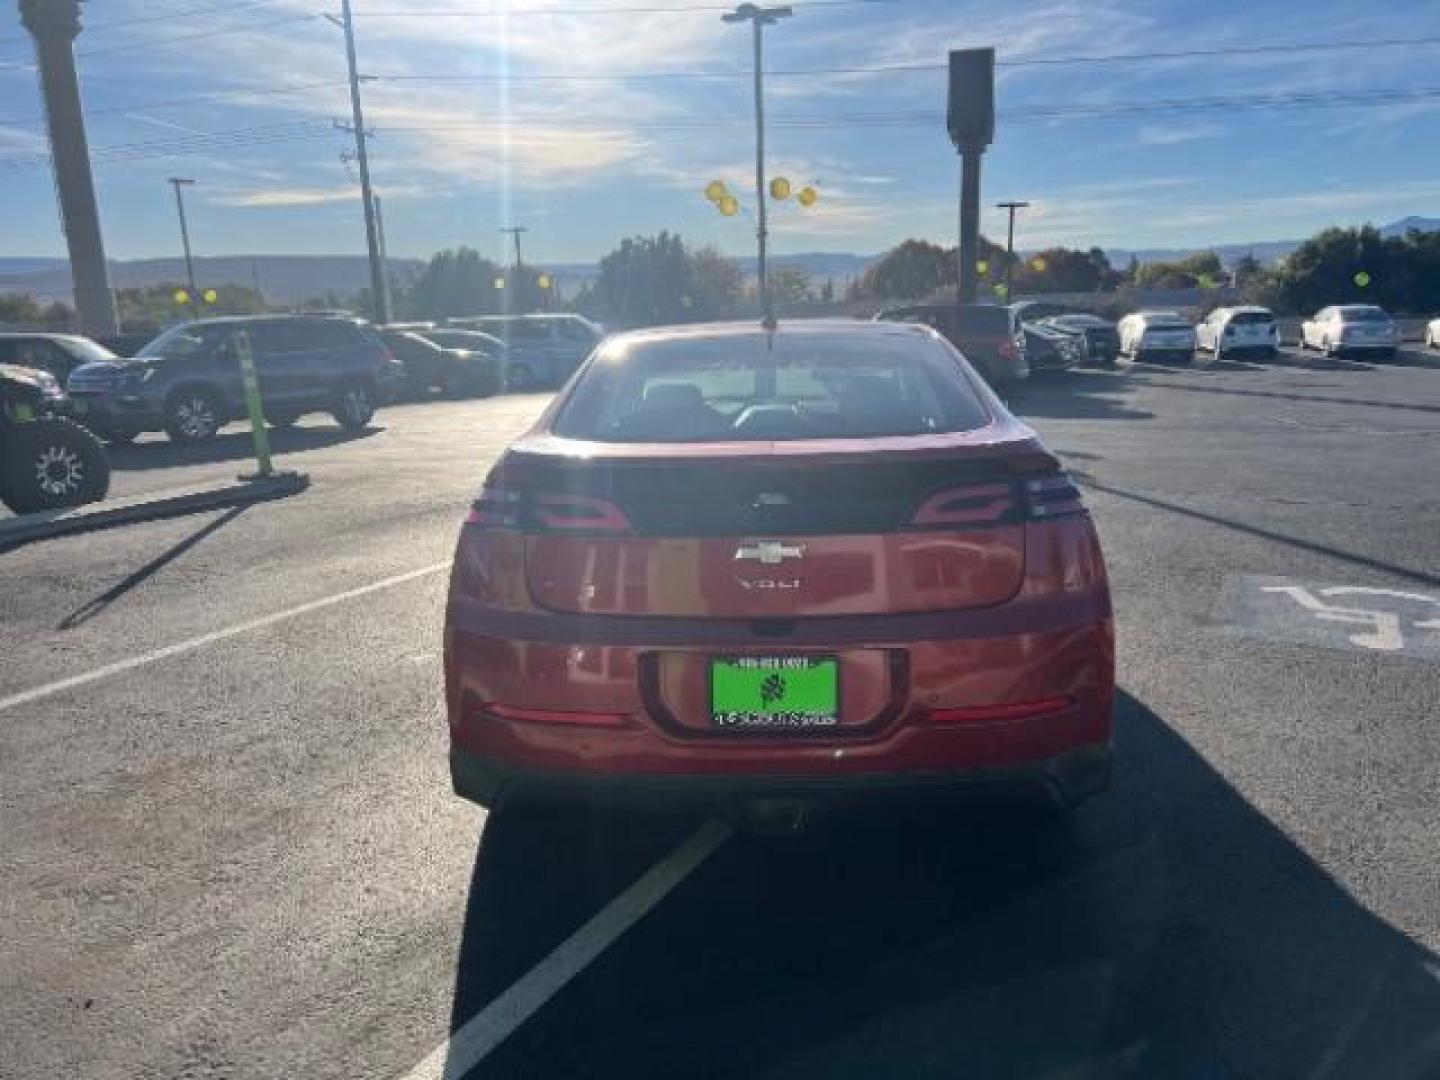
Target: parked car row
{"points": [[1010, 343], [187, 381]]}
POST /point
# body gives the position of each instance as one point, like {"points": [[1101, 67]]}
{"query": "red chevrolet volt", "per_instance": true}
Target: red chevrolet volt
{"points": [[734, 563]]}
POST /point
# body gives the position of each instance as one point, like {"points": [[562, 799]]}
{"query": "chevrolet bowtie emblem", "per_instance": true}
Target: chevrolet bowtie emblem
{"points": [[770, 552]]}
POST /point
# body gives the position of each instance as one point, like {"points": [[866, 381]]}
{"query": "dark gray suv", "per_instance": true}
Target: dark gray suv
{"points": [[187, 381]]}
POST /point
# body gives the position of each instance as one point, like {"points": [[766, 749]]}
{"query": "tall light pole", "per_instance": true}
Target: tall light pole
{"points": [[759, 18], [54, 24], [1010, 240], [177, 182], [380, 306], [516, 297]]}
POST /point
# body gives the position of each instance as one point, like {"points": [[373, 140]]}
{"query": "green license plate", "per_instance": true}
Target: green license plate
{"points": [[749, 693]]}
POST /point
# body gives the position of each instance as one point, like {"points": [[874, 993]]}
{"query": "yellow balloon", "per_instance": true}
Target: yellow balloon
{"points": [[181, 296], [715, 191], [808, 196], [499, 282], [210, 296], [1038, 264], [729, 206], [543, 281], [982, 267], [779, 188]]}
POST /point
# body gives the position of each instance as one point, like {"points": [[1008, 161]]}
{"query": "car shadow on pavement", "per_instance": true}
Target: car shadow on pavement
{"points": [[1078, 395], [1167, 929], [228, 446], [1421, 577]]}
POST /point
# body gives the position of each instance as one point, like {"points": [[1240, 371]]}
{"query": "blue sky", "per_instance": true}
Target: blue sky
{"points": [[565, 127]]}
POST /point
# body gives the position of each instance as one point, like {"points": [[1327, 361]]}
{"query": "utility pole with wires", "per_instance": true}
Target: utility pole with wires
{"points": [[379, 300], [177, 182], [759, 18], [1010, 240]]}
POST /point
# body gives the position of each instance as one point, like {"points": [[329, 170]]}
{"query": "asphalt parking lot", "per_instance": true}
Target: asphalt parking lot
{"points": [[228, 847]]}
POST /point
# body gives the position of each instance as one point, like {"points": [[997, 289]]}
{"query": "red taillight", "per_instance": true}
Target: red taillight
{"points": [[1052, 496], [498, 508], [1020, 710], [555, 716], [977, 504], [581, 513], [1007, 350], [506, 508]]}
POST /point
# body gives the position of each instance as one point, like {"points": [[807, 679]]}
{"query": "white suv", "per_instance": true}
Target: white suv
{"points": [[1350, 328], [1237, 330], [1157, 334]]}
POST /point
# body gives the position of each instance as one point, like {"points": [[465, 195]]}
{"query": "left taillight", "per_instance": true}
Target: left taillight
{"points": [[547, 512]]}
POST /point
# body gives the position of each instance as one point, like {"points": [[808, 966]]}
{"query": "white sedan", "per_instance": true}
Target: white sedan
{"points": [[1350, 328], [1147, 335], [1432, 334]]}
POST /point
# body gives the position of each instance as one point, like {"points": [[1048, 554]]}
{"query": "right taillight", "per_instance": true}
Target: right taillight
{"points": [[1050, 496]]}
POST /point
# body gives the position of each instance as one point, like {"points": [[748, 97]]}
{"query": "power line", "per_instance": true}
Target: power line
{"points": [[889, 69], [306, 129], [187, 100], [530, 13], [209, 9], [176, 39]]}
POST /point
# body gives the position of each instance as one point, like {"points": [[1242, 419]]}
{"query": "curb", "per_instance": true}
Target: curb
{"points": [[51, 523]]}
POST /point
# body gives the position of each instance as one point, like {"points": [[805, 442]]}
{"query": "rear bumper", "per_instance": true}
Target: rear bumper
{"points": [[1065, 778], [987, 663]]}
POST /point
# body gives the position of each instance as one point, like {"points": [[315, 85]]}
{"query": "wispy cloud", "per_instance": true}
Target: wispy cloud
{"points": [[1174, 135]]}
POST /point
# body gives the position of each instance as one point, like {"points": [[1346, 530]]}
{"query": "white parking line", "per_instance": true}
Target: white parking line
{"points": [[488, 1028], [182, 647]]}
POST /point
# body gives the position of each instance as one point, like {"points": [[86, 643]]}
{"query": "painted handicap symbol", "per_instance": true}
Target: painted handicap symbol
{"points": [[1384, 631]]}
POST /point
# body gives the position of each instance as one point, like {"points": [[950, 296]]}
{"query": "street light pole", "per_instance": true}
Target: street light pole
{"points": [[760, 18], [177, 182], [1010, 240], [517, 296]]}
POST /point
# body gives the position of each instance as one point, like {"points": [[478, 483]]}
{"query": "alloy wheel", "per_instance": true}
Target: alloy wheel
{"points": [[59, 471], [196, 417]]}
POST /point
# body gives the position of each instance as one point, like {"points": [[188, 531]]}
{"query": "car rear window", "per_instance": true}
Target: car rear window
{"points": [[1252, 318], [1363, 314], [748, 388]]}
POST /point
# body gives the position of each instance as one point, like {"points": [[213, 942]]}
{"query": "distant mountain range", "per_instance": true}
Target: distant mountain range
{"points": [[290, 279]]}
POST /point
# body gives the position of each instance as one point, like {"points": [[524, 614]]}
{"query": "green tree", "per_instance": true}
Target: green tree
{"points": [[151, 307], [646, 281], [458, 281], [19, 309], [1186, 273], [1065, 270], [789, 285], [717, 284], [912, 270]]}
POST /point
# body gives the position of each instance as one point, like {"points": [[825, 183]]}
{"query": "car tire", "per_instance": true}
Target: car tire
{"points": [[50, 464], [354, 406], [519, 377], [282, 421], [192, 416]]}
